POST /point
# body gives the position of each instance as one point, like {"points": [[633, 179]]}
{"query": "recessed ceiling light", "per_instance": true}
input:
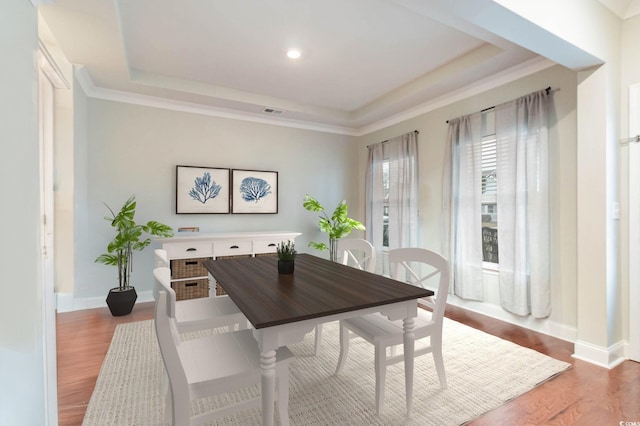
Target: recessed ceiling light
{"points": [[294, 53]]}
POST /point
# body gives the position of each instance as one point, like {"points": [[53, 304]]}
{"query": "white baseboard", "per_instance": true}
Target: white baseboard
{"points": [[598, 355], [544, 326], [604, 357], [66, 302]]}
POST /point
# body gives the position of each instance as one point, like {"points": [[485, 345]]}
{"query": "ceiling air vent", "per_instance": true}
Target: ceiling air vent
{"points": [[270, 110]]}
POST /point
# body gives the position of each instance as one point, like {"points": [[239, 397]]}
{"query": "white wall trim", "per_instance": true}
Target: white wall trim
{"points": [[37, 3], [634, 225], [604, 357], [544, 326], [66, 302], [95, 92], [514, 73], [51, 68]]}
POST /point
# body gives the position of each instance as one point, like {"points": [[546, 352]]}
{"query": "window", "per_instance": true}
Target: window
{"points": [[499, 199], [489, 190], [391, 193], [385, 203]]}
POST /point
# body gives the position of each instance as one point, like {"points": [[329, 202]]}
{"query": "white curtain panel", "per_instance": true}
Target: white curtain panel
{"points": [[523, 205], [463, 200], [402, 153], [374, 201]]}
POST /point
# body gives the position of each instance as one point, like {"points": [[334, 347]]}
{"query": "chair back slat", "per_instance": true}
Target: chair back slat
{"points": [[358, 253], [161, 258], [408, 264]]}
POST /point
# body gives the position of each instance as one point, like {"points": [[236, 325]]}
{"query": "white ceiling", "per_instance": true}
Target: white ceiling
{"points": [[625, 9], [362, 60]]}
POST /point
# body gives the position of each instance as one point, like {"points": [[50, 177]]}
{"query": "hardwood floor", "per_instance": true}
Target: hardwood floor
{"points": [[585, 395], [83, 338]]}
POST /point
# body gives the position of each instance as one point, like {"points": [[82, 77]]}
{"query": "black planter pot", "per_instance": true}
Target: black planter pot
{"points": [[285, 266], [121, 302]]}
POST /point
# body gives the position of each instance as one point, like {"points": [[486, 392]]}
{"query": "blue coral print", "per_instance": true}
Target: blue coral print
{"points": [[205, 189], [254, 189]]}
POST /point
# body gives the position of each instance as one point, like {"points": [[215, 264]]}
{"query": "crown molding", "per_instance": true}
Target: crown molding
{"points": [[514, 73], [96, 92], [526, 68], [50, 67], [37, 3]]}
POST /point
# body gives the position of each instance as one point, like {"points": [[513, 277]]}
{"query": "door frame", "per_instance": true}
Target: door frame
{"points": [[634, 224], [50, 79]]}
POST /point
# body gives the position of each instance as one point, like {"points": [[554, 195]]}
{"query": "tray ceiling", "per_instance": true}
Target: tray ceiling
{"points": [[362, 60]]}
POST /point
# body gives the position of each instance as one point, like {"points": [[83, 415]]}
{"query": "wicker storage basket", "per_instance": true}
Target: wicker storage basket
{"points": [[187, 268], [219, 290], [191, 289]]}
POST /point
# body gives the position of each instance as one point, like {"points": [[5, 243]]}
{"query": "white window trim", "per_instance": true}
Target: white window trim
{"points": [[489, 135], [491, 268]]}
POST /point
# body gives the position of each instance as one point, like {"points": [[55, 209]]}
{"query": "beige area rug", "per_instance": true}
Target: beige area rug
{"points": [[483, 372]]}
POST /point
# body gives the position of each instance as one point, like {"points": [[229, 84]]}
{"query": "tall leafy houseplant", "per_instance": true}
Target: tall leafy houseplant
{"points": [[129, 237], [339, 225]]}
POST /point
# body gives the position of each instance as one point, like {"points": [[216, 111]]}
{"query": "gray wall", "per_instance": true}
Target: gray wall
{"points": [[22, 340], [134, 149], [129, 149], [432, 142]]}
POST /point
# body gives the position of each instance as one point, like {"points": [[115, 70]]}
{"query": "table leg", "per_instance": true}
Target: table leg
{"points": [[268, 366], [409, 345]]}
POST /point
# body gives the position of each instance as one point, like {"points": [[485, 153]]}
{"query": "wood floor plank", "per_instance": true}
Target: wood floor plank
{"points": [[83, 338], [585, 395]]}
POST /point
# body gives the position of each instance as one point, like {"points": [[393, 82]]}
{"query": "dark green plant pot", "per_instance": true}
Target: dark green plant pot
{"points": [[121, 302], [285, 266]]}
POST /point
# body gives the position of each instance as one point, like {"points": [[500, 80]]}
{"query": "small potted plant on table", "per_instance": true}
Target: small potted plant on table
{"points": [[286, 256], [120, 252]]}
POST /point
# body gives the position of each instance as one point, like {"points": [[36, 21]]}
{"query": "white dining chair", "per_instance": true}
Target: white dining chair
{"points": [[161, 258], [358, 253], [196, 314], [201, 313], [415, 266], [212, 365]]}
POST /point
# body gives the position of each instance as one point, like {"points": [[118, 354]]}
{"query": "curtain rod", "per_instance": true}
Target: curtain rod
{"points": [[415, 131], [548, 90], [627, 141]]}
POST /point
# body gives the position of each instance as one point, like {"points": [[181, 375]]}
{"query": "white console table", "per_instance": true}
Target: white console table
{"points": [[186, 253]]}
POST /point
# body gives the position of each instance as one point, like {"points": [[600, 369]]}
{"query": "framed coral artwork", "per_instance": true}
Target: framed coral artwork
{"points": [[254, 191], [202, 190]]}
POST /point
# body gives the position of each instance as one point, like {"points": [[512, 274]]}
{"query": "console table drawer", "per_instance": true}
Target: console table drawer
{"points": [[265, 246], [187, 250], [230, 248]]}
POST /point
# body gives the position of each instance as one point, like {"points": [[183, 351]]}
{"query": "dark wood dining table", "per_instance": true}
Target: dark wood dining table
{"points": [[284, 307]]}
